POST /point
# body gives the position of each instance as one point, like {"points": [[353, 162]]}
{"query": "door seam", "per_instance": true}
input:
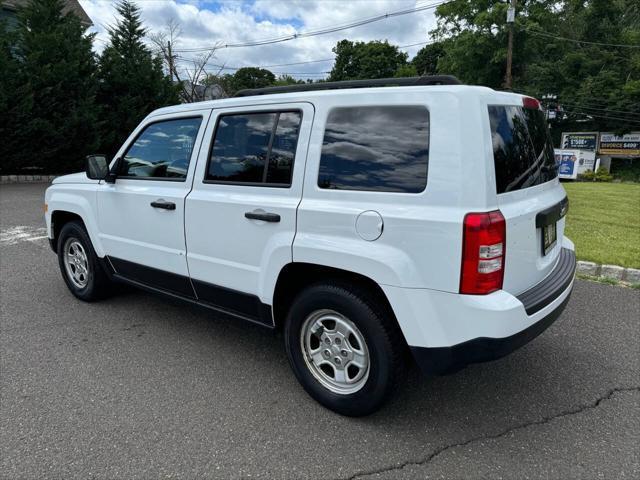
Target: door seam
{"points": [[184, 206]]}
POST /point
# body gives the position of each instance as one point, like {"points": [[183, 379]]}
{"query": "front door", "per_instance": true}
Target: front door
{"points": [[141, 215], [241, 214]]}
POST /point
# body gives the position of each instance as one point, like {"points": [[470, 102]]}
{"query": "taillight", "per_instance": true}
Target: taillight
{"points": [[483, 248], [530, 102]]}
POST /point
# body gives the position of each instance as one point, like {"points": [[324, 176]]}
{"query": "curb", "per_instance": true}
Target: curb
{"points": [[5, 179], [611, 272]]}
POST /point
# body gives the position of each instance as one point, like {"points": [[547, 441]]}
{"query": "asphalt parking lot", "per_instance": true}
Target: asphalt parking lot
{"points": [[141, 387]]}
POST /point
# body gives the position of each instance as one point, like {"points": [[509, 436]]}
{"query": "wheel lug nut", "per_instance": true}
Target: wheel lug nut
{"points": [[327, 341], [327, 353], [338, 341], [343, 353], [338, 361]]}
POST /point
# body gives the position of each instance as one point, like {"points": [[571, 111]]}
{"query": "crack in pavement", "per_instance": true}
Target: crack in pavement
{"points": [[542, 421]]}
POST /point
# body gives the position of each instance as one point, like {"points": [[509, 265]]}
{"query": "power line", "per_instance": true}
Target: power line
{"points": [[606, 110], [277, 72], [323, 31], [286, 64], [586, 114], [558, 37], [224, 67], [595, 102]]}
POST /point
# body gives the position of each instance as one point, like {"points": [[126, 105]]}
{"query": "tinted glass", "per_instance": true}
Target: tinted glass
{"points": [[283, 149], [383, 149], [163, 150], [255, 148], [240, 147], [522, 148]]}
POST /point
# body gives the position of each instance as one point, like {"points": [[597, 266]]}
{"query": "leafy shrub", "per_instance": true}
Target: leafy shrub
{"points": [[588, 176], [600, 176], [603, 176], [626, 169]]}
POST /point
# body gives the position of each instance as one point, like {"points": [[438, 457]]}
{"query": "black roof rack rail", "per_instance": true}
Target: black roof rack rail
{"points": [[377, 82]]}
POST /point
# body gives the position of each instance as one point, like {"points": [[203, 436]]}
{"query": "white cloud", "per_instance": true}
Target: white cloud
{"points": [[205, 23]]}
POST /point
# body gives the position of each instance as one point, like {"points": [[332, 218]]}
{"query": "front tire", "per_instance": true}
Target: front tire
{"points": [[79, 264], [344, 347]]}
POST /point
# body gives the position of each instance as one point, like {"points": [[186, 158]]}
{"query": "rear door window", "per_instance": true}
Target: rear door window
{"points": [[522, 148], [382, 149], [254, 148]]}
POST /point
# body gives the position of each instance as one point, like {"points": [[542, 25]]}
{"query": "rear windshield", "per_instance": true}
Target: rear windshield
{"points": [[522, 148]]}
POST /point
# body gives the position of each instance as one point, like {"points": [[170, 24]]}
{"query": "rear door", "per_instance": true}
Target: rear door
{"points": [[241, 214], [530, 195]]}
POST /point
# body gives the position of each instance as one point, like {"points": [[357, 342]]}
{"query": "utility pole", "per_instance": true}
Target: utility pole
{"points": [[170, 60], [550, 102], [511, 17]]}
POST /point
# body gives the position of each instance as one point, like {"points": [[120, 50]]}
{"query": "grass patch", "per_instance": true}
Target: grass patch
{"points": [[591, 278], [608, 281], [604, 222]]}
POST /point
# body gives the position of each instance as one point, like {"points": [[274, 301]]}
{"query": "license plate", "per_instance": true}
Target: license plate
{"points": [[549, 237]]}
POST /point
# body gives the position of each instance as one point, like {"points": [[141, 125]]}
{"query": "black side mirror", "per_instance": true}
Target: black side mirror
{"points": [[113, 173], [97, 167]]}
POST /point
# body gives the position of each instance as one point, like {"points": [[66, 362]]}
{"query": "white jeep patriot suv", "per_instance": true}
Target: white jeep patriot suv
{"points": [[366, 219]]}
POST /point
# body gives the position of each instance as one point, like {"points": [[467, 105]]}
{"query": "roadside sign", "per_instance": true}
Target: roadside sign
{"points": [[572, 163], [580, 140], [627, 145], [567, 163]]}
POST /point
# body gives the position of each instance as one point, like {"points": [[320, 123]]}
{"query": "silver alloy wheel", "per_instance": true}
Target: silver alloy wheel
{"points": [[335, 351], [76, 263]]}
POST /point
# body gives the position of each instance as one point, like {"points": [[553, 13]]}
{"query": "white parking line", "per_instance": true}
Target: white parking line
{"points": [[21, 233]]}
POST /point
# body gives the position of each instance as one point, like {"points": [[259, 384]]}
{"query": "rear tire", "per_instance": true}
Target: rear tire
{"points": [[344, 347], [79, 264]]}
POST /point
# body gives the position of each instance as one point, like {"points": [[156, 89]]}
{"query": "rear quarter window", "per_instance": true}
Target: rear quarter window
{"points": [[522, 149], [383, 149]]}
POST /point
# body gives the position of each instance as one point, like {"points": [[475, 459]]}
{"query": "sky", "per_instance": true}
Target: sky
{"points": [[206, 22]]}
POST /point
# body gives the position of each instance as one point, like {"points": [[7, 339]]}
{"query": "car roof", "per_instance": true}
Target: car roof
{"points": [[492, 96]]}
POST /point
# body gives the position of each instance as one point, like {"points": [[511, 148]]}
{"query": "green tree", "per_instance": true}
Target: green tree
{"points": [[131, 80], [252, 77], [47, 90], [14, 104], [360, 60], [426, 60], [473, 35], [224, 81], [283, 80], [408, 70], [597, 84], [247, 77]]}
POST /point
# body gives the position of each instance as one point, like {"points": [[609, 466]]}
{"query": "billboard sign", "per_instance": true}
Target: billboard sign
{"points": [[628, 145], [580, 140]]}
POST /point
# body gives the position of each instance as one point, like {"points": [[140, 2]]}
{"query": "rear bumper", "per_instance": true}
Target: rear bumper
{"points": [[450, 331], [544, 293], [445, 360]]}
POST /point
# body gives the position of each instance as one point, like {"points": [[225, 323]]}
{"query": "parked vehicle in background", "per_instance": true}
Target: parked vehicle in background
{"points": [[367, 221]]}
